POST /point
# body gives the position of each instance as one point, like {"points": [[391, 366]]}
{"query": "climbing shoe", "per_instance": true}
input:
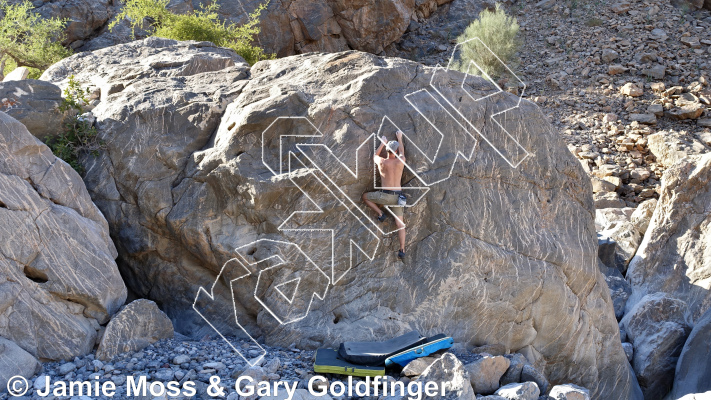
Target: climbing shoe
{"points": [[401, 254], [383, 217]]}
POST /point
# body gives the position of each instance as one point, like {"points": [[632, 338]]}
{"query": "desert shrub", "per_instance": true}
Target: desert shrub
{"points": [[79, 136], [28, 40], [497, 31], [201, 25]]}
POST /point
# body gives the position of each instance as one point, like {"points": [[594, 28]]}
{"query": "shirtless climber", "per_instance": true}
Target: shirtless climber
{"points": [[390, 168]]}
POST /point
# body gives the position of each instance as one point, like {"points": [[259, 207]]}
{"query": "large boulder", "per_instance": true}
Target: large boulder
{"points": [[183, 189], [59, 277], [657, 328], [673, 257], [693, 371], [35, 104], [160, 104], [15, 361], [136, 326]]}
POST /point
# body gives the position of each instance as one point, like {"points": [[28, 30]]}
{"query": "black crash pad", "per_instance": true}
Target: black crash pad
{"points": [[375, 353]]}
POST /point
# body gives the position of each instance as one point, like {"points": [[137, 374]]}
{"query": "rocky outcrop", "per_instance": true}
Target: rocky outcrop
{"points": [[136, 326], [287, 27], [673, 257], [33, 103], [657, 329], [301, 26], [693, 371], [59, 278], [183, 189]]}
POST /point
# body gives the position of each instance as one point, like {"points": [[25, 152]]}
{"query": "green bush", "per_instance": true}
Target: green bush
{"points": [[202, 25], [79, 136], [28, 40], [499, 32]]}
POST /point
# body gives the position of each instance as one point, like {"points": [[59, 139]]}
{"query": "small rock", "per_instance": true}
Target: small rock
{"points": [[619, 8], [691, 111], [530, 374], [519, 391], [629, 350], [632, 90], [609, 117], [659, 34], [609, 55], [706, 123], [417, 366], [513, 373], [136, 326], [181, 359], [616, 69], [608, 200], [692, 42], [600, 185], [657, 86], [569, 392], [164, 374], [272, 366], [484, 374], [656, 109], [67, 368], [647, 119], [656, 72]]}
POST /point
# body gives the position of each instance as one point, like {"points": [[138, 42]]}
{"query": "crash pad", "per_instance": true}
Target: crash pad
{"points": [[375, 353], [433, 345], [329, 362]]}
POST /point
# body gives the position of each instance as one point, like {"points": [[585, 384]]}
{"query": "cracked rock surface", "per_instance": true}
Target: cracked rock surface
{"points": [[57, 270]]}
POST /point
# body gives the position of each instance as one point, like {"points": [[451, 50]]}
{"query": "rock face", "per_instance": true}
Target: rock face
{"points": [[673, 257], [657, 329], [59, 277], [300, 26], [183, 189], [287, 27], [136, 326], [15, 361], [34, 104], [693, 371]]}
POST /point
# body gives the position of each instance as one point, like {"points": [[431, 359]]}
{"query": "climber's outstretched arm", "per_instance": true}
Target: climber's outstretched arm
{"points": [[401, 148], [383, 142]]}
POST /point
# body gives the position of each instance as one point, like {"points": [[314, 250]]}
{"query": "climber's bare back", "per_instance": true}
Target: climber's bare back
{"points": [[390, 170]]}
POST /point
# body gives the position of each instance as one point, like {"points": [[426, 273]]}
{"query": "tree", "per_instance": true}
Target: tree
{"points": [[201, 25], [27, 39], [498, 32]]}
